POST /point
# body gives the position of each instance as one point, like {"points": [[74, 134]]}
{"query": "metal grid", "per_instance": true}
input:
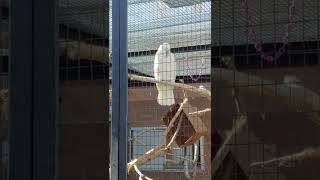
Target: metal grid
{"points": [[82, 126], [185, 26], [266, 112]]}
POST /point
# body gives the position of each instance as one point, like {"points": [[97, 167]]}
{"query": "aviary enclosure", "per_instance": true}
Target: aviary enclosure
{"points": [[221, 89], [265, 69]]}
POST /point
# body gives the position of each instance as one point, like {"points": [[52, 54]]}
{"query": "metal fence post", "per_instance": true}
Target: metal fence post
{"points": [[119, 89], [32, 89], [45, 78], [20, 89]]}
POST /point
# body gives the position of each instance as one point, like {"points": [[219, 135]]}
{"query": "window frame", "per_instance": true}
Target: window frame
{"points": [[201, 167]]}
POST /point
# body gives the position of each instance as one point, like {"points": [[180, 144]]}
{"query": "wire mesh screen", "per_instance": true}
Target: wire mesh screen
{"points": [[265, 59], [82, 127], [4, 21], [169, 100]]}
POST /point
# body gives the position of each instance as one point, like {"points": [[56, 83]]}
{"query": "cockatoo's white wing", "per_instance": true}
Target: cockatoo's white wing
{"points": [[165, 70]]}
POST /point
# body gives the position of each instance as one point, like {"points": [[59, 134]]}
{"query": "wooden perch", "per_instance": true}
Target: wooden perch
{"points": [[285, 160], [200, 113], [194, 162], [195, 159], [201, 91], [141, 175], [239, 126], [241, 122], [80, 50], [162, 148]]}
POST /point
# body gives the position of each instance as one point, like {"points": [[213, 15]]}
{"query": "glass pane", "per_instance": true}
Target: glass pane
{"points": [[83, 126], [266, 90], [169, 41], [4, 38]]}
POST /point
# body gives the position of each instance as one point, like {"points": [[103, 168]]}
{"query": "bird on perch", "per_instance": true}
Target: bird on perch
{"points": [[165, 70]]}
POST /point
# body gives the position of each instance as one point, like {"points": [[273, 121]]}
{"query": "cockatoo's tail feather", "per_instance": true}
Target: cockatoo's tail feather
{"points": [[165, 95]]}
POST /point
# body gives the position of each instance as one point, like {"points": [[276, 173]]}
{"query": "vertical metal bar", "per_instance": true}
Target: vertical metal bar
{"points": [[215, 6], [318, 32], [20, 89], [107, 79], [44, 89], [32, 89], [119, 90]]}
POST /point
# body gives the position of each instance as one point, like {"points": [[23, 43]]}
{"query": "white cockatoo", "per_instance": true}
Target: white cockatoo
{"points": [[165, 70]]}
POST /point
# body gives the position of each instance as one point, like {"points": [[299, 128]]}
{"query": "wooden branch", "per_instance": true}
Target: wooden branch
{"points": [[141, 175], [195, 159], [201, 91], [194, 162], [182, 158], [285, 160], [80, 50], [171, 124], [175, 134], [241, 122], [235, 94], [162, 148], [200, 113], [282, 90]]}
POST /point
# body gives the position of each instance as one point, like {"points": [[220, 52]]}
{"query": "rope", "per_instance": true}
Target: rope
{"points": [[253, 34]]}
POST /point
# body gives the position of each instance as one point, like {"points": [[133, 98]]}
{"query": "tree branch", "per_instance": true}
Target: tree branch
{"points": [[201, 91], [239, 125], [175, 134], [141, 175], [80, 50], [241, 122], [285, 160], [194, 162], [195, 159], [200, 113]]}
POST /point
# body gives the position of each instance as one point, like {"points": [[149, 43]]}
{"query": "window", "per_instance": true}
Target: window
{"points": [[143, 139]]}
